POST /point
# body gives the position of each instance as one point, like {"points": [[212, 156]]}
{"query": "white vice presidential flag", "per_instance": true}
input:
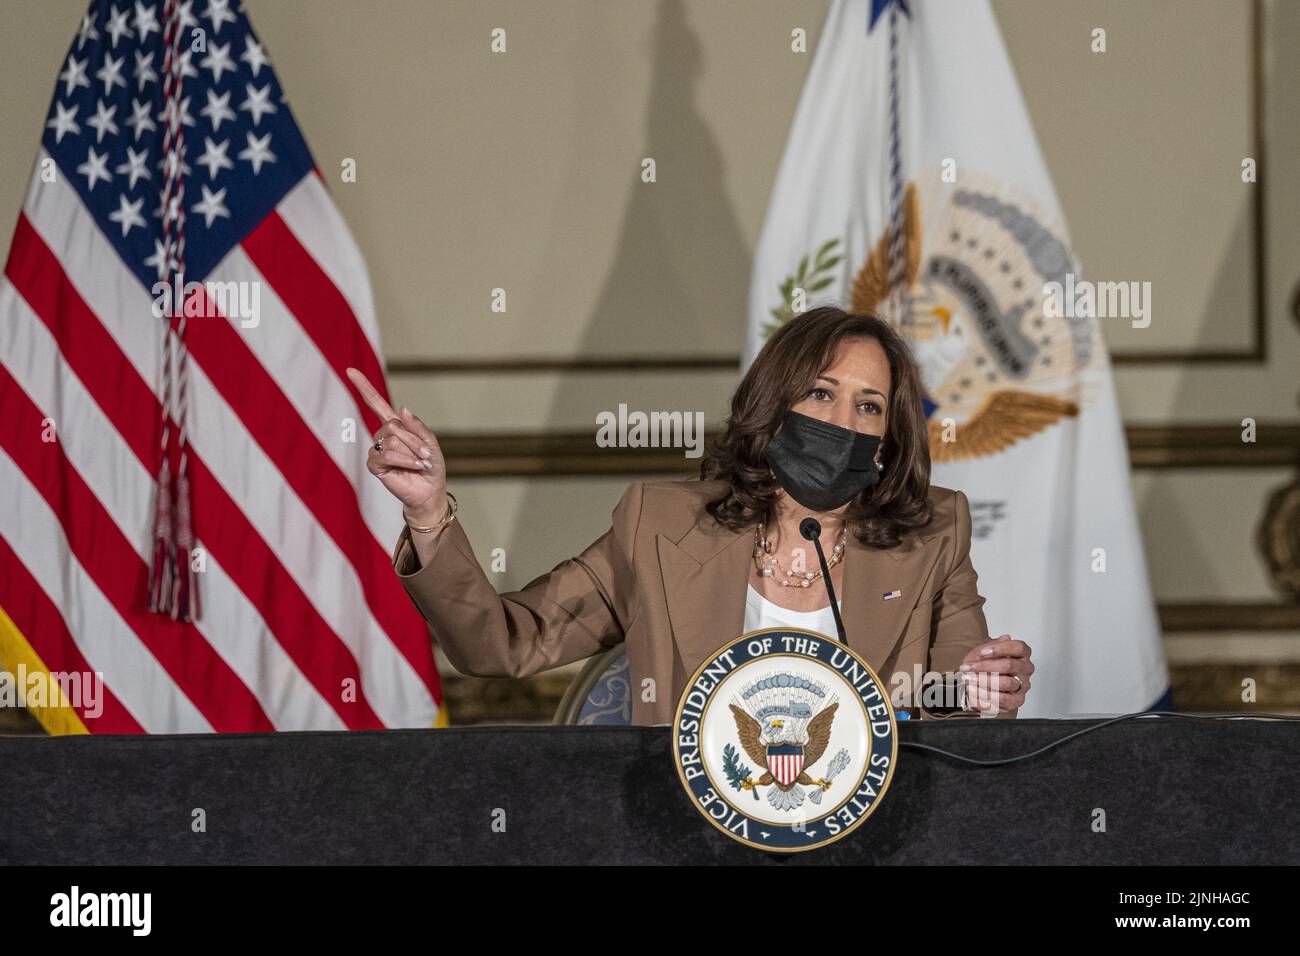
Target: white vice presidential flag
{"points": [[912, 185]]}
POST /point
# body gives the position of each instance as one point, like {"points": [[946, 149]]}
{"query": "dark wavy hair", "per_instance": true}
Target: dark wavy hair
{"points": [[780, 377]]}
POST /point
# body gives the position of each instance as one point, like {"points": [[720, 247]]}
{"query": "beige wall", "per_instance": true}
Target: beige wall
{"points": [[478, 171]]}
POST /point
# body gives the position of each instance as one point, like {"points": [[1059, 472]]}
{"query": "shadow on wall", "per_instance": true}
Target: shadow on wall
{"points": [[681, 262]]}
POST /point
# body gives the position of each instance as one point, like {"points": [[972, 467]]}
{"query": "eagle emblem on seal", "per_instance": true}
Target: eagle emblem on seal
{"points": [[784, 724]]}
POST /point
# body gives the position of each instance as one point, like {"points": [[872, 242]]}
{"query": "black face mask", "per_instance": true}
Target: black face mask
{"points": [[820, 465]]}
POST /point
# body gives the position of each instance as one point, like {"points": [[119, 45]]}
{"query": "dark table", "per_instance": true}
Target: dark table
{"points": [[1173, 791]]}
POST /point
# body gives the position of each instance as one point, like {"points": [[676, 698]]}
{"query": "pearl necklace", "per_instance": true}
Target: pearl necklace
{"points": [[767, 563]]}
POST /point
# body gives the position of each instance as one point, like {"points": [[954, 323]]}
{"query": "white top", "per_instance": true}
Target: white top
{"points": [[761, 613]]}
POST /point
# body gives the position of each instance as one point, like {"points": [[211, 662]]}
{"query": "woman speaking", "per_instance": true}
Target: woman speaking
{"points": [[827, 423]]}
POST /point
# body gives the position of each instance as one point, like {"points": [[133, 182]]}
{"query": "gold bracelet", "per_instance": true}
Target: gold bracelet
{"points": [[451, 516]]}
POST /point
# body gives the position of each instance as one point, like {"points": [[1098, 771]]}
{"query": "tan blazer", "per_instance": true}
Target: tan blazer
{"points": [[672, 584]]}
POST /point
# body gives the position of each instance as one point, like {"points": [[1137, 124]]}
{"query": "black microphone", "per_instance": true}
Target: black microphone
{"points": [[811, 529]]}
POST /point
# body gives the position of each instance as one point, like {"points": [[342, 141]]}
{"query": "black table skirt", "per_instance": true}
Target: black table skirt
{"points": [[1173, 791]]}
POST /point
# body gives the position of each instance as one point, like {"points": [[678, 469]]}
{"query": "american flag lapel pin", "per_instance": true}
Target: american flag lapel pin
{"points": [[890, 595]]}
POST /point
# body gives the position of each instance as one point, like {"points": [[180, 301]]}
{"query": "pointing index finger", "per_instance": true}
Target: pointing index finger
{"points": [[371, 395]]}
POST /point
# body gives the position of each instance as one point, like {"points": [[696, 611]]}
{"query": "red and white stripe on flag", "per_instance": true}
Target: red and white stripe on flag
{"points": [[304, 625]]}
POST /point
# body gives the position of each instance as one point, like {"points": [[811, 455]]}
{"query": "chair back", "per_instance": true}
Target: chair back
{"points": [[601, 694]]}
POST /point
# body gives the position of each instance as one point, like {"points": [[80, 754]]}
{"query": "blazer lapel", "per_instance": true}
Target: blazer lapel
{"points": [[705, 578], [880, 591]]}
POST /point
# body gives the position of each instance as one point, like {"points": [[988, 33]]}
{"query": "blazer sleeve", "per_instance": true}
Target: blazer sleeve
{"points": [[957, 622], [576, 610]]}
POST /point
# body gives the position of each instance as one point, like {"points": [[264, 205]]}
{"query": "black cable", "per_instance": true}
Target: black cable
{"points": [[1087, 730]]}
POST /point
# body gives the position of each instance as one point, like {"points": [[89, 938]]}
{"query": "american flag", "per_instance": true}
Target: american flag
{"points": [[170, 146]]}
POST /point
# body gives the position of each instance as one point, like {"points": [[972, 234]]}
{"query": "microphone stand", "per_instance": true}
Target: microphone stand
{"points": [[811, 529]]}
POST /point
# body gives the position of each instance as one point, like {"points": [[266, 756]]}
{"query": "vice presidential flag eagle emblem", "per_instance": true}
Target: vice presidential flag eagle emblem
{"points": [[785, 739]]}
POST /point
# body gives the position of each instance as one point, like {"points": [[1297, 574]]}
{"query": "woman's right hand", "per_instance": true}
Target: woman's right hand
{"points": [[411, 465]]}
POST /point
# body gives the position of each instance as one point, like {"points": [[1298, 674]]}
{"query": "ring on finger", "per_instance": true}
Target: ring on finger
{"points": [[379, 442]]}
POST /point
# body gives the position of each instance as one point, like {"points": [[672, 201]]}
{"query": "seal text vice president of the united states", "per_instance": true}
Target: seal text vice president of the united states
{"points": [[828, 423]]}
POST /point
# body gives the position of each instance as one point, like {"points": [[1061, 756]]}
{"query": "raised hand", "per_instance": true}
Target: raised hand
{"points": [[410, 465]]}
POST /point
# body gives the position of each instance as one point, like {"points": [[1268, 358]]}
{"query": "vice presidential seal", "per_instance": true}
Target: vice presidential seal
{"points": [[785, 739]]}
